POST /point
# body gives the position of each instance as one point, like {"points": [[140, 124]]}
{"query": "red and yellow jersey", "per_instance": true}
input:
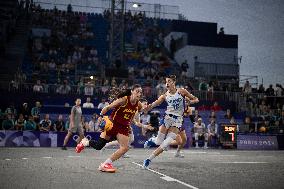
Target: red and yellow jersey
{"points": [[125, 113]]}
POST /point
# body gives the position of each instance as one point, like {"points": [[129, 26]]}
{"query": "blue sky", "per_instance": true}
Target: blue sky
{"points": [[259, 24]]}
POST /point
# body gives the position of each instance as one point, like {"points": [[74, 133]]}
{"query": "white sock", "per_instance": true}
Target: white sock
{"points": [[178, 151], [205, 144], [152, 156], [108, 161]]}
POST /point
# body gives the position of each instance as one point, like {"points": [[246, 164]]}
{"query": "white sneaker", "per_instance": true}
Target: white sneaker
{"points": [[125, 156], [205, 147], [85, 141], [197, 147], [179, 155]]}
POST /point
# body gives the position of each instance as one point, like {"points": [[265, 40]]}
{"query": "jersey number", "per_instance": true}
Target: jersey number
{"points": [[126, 116]]}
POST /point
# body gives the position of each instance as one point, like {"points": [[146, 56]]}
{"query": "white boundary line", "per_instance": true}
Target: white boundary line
{"points": [[47, 157], [165, 177], [244, 162]]}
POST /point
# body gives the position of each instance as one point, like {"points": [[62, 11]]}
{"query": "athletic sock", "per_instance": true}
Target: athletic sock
{"points": [[108, 161]]}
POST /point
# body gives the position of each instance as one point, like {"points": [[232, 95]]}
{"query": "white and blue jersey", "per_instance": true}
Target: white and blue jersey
{"points": [[175, 110]]}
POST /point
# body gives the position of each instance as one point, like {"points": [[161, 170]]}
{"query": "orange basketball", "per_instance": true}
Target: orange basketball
{"points": [[262, 129]]}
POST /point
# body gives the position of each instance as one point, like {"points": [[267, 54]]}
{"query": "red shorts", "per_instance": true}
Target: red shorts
{"points": [[118, 128]]}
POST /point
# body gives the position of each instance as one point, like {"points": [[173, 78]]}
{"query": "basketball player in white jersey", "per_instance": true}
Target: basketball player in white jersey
{"points": [[173, 120]]}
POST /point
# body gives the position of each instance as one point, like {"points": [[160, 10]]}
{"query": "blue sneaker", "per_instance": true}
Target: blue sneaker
{"points": [[146, 163], [149, 143]]}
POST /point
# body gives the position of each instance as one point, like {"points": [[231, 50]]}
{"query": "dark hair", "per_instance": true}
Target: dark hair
{"points": [[143, 100], [116, 92], [172, 77]]}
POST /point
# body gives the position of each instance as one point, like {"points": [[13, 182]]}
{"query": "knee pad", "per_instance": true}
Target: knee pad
{"points": [[170, 137], [98, 145]]}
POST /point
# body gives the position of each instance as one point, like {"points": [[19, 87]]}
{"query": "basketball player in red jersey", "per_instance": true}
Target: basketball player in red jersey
{"points": [[117, 126]]}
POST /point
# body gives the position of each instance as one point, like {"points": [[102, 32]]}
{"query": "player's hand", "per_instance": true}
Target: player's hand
{"points": [[149, 127]]}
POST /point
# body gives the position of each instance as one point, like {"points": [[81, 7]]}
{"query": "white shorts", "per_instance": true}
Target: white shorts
{"points": [[173, 121]]}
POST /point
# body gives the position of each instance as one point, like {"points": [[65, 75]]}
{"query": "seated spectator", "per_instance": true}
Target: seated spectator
{"points": [[251, 126], [215, 107], [45, 124], [11, 110], [200, 131], [30, 125], [212, 131], [8, 123], [64, 88], [20, 122], [67, 124], [35, 112], [85, 124], [279, 90], [196, 116], [94, 124], [25, 110], [88, 103], [212, 116], [38, 87], [228, 114], [89, 89], [145, 120], [103, 103], [59, 124]]}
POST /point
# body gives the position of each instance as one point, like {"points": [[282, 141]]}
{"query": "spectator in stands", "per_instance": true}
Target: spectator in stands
{"points": [[247, 88], [270, 91], [89, 89], [38, 87], [196, 116], [210, 91], [221, 31], [67, 124], [161, 87], [228, 114], [35, 112], [184, 68], [20, 122], [84, 124], [80, 86], [105, 88], [30, 124], [8, 123], [25, 110], [11, 110], [64, 88], [103, 103], [200, 131], [261, 89], [215, 107], [203, 108], [59, 124], [203, 86], [88, 103], [94, 124], [212, 131], [45, 124], [279, 90], [145, 120], [251, 126], [212, 116]]}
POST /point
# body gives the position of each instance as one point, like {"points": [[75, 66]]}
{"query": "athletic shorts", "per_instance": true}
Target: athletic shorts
{"points": [[173, 121], [77, 129], [112, 128]]}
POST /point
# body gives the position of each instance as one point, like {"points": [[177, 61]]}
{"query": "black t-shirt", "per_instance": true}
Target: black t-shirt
{"points": [[58, 125]]}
